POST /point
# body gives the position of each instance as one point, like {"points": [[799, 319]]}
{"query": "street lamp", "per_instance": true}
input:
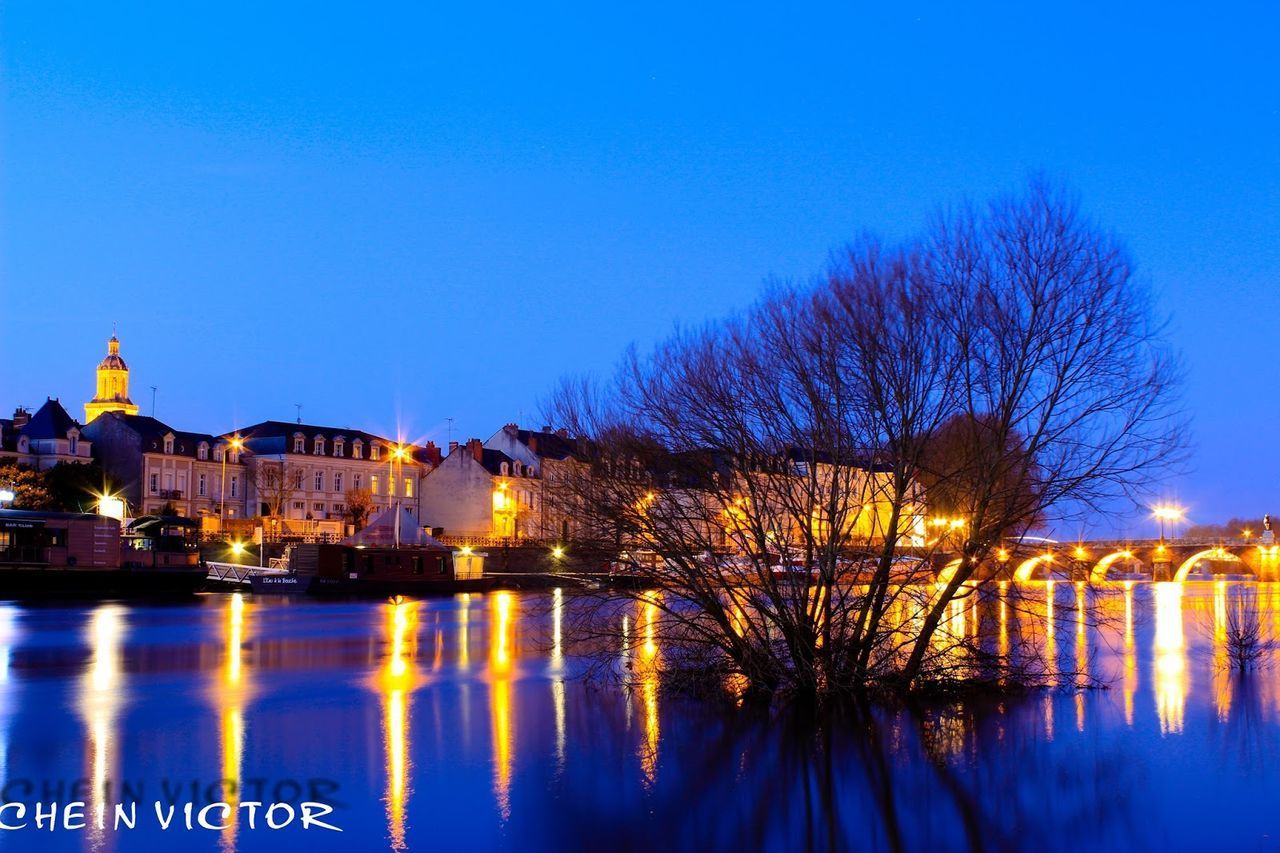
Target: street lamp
{"points": [[235, 444], [397, 454], [1171, 514]]}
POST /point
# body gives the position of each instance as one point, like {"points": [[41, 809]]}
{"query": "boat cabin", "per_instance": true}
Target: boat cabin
{"points": [[37, 539]]}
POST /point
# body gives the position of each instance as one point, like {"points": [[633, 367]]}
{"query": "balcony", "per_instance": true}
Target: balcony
{"points": [[170, 494]]}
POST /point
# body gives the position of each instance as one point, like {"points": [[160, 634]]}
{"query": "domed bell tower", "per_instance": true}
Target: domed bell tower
{"points": [[113, 385]]}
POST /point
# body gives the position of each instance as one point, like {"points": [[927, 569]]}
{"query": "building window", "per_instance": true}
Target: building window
{"points": [[408, 487], [155, 483], [357, 449], [235, 483], [374, 450], [168, 445], [337, 447], [200, 486], [202, 451], [299, 505], [71, 445], [318, 507], [319, 481], [319, 446], [339, 507], [299, 444], [355, 480], [297, 481], [217, 454], [337, 482], [373, 484], [391, 486]]}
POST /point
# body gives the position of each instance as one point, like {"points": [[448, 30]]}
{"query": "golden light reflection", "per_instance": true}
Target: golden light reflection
{"points": [[557, 678], [1082, 655], [99, 702], [396, 679], [1170, 657], [500, 712], [231, 695], [646, 672], [1130, 684], [1221, 664]]}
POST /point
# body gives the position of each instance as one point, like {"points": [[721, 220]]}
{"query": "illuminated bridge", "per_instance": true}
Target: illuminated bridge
{"points": [[1162, 560]]}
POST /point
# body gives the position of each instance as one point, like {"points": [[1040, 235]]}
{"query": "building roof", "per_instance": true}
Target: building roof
{"points": [[152, 433], [272, 437], [550, 445], [381, 532], [49, 421]]}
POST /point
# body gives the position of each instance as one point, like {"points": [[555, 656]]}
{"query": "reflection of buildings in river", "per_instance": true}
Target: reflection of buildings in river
{"points": [[100, 701], [1170, 657], [500, 657], [1082, 654], [396, 680]]}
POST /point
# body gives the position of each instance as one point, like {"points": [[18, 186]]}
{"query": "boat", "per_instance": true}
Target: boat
{"points": [[80, 555], [393, 555]]}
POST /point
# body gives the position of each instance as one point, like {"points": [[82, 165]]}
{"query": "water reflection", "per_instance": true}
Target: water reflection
{"points": [[1170, 657], [396, 679], [101, 697], [488, 738], [500, 661]]}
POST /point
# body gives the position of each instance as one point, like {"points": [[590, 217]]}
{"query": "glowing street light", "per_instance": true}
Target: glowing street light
{"points": [[1171, 514], [236, 443]]}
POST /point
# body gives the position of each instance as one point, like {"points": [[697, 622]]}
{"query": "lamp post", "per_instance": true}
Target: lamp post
{"points": [[1171, 514], [235, 444]]}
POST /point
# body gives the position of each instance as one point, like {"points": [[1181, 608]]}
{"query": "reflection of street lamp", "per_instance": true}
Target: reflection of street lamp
{"points": [[235, 444]]}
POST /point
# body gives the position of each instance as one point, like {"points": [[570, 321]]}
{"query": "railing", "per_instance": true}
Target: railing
{"points": [[171, 494], [493, 541], [236, 573]]}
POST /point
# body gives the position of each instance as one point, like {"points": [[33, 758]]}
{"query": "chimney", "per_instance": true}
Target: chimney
{"points": [[476, 446], [433, 454], [546, 428], [533, 442], [562, 432], [453, 445], [511, 429], [20, 418]]}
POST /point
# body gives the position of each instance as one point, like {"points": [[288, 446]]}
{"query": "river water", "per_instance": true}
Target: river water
{"points": [[461, 724]]}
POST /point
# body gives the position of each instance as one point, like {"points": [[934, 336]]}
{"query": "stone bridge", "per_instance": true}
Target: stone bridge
{"points": [[1161, 560]]}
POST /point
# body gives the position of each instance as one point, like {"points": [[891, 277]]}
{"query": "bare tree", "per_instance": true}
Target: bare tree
{"points": [[763, 475], [359, 502], [276, 482]]}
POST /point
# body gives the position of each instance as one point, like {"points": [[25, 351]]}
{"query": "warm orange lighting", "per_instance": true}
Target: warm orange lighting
{"points": [[1079, 553], [1002, 555], [237, 548], [557, 552], [1168, 513]]}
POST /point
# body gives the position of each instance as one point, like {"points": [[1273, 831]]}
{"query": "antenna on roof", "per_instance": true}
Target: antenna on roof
{"points": [[450, 420], [153, 401], [299, 407]]}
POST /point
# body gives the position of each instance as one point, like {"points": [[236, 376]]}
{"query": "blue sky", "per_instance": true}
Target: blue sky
{"points": [[401, 214]]}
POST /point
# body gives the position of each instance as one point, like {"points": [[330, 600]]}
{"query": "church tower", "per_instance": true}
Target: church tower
{"points": [[113, 385]]}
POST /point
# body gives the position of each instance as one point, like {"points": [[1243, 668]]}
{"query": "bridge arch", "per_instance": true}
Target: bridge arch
{"points": [[1026, 567], [949, 571], [1099, 572], [1219, 554]]}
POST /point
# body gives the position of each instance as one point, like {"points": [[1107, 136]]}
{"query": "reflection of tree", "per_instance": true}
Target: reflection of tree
{"points": [[860, 777]]}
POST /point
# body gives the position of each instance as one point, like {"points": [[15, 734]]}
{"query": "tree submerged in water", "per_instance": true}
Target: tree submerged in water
{"points": [[787, 482]]}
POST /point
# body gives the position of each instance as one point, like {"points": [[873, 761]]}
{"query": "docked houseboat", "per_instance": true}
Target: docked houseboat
{"points": [[391, 556], [78, 555]]}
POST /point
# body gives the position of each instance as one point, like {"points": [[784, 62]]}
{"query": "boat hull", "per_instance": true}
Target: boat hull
{"points": [[360, 587]]}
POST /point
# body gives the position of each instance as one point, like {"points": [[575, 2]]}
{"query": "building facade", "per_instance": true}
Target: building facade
{"points": [[44, 439], [305, 472], [477, 492], [555, 459], [155, 466], [112, 385]]}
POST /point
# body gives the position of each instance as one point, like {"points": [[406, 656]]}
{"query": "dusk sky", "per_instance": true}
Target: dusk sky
{"points": [[396, 216]]}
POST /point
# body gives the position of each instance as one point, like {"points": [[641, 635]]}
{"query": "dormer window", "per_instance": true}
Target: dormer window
{"points": [[73, 439], [318, 449], [338, 444], [168, 444], [299, 443], [504, 469], [357, 449], [202, 450], [373, 452]]}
